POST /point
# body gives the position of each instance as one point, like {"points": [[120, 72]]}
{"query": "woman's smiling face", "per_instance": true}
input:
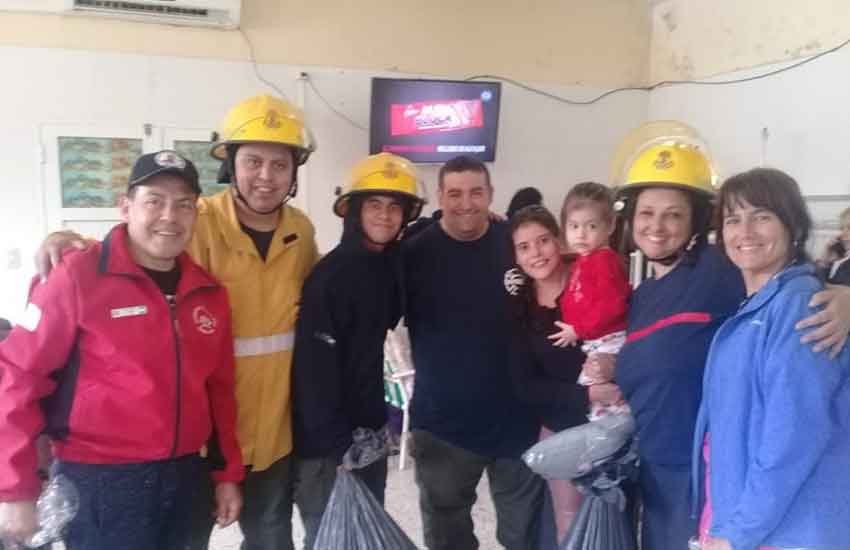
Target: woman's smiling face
{"points": [[537, 250]]}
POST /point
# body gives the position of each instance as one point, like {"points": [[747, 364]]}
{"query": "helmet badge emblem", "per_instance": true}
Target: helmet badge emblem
{"points": [[272, 120], [391, 170], [663, 162]]}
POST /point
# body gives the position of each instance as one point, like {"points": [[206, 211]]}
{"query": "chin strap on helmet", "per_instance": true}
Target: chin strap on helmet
{"points": [[228, 175], [701, 208], [676, 256]]}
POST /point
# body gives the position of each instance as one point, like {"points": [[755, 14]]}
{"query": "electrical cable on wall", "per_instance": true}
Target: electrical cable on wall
{"points": [[334, 109], [257, 68], [306, 76], [555, 97], [663, 83]]}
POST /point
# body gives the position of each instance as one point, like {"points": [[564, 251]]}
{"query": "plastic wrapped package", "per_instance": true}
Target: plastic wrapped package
{"points": [[353, 518], [576, 451], [397, 353], [56, 507], [603, 521]]}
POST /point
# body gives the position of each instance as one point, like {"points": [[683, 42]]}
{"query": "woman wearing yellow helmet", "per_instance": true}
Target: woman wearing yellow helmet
{"points": [[685, 173], [667, 194]]}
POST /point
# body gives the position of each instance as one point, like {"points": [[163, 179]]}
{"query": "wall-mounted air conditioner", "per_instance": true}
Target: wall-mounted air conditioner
{"points": [[208, 13]]}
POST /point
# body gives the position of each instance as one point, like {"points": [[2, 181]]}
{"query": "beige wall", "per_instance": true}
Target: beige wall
{"points": [[696, 39], [587, 42]]}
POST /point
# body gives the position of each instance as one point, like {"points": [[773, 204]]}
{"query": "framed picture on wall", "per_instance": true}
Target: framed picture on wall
{"points": [[93, 171], [199, 153], [87, 169]]}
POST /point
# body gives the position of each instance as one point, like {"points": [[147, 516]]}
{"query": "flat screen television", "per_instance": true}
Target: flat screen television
{"points": [[434, 120]]}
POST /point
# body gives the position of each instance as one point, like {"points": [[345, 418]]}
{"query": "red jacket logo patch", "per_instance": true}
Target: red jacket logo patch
{"points": [[203, 320]]}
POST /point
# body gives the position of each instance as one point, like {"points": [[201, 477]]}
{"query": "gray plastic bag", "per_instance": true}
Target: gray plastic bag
{"points": [[353, 518], [56, 506], [603, 521], [575, 451]]}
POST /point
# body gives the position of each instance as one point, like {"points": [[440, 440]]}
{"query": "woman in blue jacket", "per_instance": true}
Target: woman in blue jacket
{"points": [[673, 315], [775, 415]]}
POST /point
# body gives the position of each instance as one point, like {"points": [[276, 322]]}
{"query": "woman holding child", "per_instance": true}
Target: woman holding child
{"points": [[546, 376]]}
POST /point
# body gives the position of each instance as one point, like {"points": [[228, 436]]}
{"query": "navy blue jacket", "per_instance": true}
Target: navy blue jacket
{"points": [[349, 301], [671, 323]]}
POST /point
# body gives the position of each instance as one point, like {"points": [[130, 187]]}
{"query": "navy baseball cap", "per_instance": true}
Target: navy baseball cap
{"points": [[164, 162]]}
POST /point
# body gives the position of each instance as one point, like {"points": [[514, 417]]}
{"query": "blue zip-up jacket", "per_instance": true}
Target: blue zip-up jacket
{"points": [[779, 418]]}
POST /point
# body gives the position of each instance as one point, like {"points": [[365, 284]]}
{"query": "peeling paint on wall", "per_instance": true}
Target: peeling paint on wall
{"points": [[701, 39], [682, 67], [669, 18]]}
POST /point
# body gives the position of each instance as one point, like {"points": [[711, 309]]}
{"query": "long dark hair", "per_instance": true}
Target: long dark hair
{"points": [[527, 196], [535, 213], [525, 297], [773, 190]]}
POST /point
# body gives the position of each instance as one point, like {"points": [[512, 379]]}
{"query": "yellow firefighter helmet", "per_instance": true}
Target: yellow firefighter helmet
{"points": [[264, 119], [383, 173], [671, 165], [664, 153]]}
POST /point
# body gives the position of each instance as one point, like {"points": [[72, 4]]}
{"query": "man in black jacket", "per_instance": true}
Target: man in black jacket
{"points": [[349, 301]]}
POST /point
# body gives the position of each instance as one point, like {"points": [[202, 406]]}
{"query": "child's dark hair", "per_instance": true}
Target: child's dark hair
{"points": [[589, 193]]}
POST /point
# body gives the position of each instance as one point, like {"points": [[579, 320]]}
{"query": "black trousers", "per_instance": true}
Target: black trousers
{"points": [[314, 482], [447, 477], [266, 517]]}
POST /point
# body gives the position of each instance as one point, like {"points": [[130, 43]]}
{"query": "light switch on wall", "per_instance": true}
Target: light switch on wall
{"points": [[13, 259]]}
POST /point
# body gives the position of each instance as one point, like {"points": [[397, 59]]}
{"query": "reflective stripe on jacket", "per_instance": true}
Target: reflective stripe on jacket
{"points": [[264, 297]]}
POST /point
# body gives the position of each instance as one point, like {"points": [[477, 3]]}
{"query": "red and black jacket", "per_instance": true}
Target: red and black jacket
{"points": [[114, 371]]}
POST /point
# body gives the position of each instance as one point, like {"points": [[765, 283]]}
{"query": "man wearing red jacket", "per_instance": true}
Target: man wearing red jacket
{"points": [[125, 358]]}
